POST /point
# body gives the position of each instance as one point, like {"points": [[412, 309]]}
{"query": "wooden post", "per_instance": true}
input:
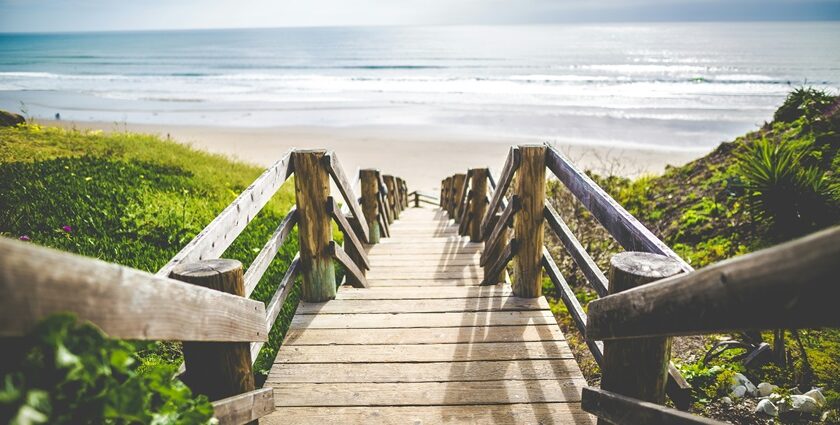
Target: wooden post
{"points": [[403, 193], [389, 215], [460, 181], [447, 191], [416, 200], [312, 187], [637, 367], [529, 185], [478, 204], [392, 196], [496, 252], [370, 192], [217, 369]]}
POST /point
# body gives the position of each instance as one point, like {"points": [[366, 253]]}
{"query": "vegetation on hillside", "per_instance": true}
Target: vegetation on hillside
{"points": [[769, 186], [135, 200]]}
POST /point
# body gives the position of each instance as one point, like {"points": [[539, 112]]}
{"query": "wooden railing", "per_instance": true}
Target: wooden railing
{"points": [[795, 282], [198, 297]]}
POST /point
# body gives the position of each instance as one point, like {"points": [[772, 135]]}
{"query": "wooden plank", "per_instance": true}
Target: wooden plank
{"points": [[475, 335], [344, 226], [425, 352], [505, 221], [425, 282], [572, 304], [36, 282], [792, 285], [420, 293], [511, 164], [621, 410], [277, 301], [428, 393], [587, 265], [260, 264], [410, 274], [449, 258], [423, 306], [508, 414], [243, 408], [394, 262], [349, 266], [422, 320], [427, 372], [625, 228], [346, 189], [214, 239], [507, 254]]}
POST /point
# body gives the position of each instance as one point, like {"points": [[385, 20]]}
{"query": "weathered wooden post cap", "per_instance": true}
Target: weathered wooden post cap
{"points": [[644, 267], [204, 270]]}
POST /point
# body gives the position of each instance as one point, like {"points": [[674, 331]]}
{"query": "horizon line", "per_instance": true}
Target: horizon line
{"points": [[653, 21]]}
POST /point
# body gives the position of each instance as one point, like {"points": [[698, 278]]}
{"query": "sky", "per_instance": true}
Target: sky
{"points": [[116, 15]]}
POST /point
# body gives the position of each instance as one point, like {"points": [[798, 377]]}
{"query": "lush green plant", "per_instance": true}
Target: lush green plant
{"points": [[793, 197], [804, 101], [71, 373]]}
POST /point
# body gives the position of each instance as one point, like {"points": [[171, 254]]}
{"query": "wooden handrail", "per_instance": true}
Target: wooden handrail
{"points": [[344, 226], [36, 282], [792, 285], [276, 304], [625, 228], [244, 408], [261, 262], [621, 410], [573, 246], [505, 220], [349, 265], [351, 200], [572, 304], [501, 262], [217, 236], [511, 164]]}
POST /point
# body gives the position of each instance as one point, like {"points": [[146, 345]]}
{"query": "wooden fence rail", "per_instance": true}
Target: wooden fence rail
{"points": [[209, 302]]}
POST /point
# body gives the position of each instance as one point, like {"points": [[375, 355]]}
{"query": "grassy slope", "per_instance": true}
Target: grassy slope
{"points": [[703, 211], [134, 200]]}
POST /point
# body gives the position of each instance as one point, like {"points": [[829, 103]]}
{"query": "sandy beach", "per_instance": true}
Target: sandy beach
{"points": [[422, 155]]}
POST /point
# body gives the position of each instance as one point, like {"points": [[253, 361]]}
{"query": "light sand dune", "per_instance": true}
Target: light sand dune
{"points": [[422, 155]]}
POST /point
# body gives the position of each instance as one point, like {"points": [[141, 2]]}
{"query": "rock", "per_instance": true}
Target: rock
{"points": [[765, 389], [803, 403], [742, 380], [738, 391], [767, 407], [8, 119], [817, 395], [726, 400]]}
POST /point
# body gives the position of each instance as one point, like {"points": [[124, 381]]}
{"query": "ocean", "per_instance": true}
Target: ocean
{"points": [[664, 85]]}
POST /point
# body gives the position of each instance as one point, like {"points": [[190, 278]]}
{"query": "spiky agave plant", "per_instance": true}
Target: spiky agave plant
{"points": [[793, 198]]}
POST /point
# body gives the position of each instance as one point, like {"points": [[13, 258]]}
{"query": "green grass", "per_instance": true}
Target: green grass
{"points": [[135, 200]]}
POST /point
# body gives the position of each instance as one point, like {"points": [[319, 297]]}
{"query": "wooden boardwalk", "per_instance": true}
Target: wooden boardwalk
{"points": [[425, 344]]}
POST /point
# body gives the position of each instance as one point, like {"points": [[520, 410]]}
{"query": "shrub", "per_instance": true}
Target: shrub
{"points": [[804, 101], [793, 197], [71, 373]]}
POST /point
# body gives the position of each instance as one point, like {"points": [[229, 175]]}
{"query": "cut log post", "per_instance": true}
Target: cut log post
{"points": [[312, 188], [370, 192], [638, 367], [416, 199], [403, 193], [392, 196], [529, 185], [459, 182], [217, 369], [478, 203]]}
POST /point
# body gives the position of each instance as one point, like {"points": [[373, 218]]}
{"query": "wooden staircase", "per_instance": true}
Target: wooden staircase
{"points": [[426, 344]]}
